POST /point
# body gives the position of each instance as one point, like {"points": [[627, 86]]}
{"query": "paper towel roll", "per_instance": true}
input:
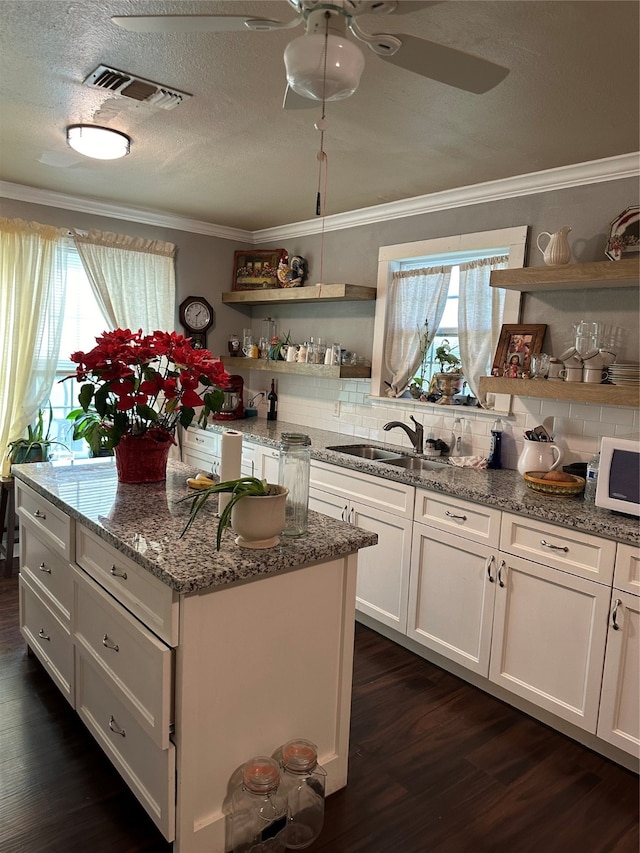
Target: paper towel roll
{"points": [[230, 462]]}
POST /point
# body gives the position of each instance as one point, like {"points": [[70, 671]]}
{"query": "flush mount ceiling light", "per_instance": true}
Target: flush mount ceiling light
{"points": [[101, 143], [323, 65]]}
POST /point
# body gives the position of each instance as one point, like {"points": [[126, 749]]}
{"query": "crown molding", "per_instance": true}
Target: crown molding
{"points": [[563, 177], [18, 192]]}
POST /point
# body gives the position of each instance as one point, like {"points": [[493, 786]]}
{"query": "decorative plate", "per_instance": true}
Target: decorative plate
{"points": [[624, 236], [535, 480]]}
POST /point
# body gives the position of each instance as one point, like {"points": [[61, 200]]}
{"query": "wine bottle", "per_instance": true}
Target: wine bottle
{"points": [[272, 399]]}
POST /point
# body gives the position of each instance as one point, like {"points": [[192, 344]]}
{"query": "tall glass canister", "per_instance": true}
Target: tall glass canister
{"points": [[303, 779], [295, 462], [259, 809]]}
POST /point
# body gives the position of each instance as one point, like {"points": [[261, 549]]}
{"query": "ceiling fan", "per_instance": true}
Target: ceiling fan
{"points": [[324, 64]]}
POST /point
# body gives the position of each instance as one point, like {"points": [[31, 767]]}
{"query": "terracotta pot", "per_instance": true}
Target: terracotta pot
{"points": [[142, 459], [259, 519]]}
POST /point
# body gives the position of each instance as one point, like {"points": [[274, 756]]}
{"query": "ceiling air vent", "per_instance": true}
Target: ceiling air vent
{"points": [[135, 88]]}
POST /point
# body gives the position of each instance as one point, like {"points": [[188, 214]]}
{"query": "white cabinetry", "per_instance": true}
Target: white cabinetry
{"points": [[201, 448], [452, 587], [46, 547], [385, 508], [619, 719]]}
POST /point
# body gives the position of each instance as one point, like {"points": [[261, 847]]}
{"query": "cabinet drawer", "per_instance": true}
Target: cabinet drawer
{"points": [[50, 572], [52, 523], [48, 637], [135, 661], [571, 551], [202, 440], [152, 601], [473, 521], [627, 569], [373, 491], [148, 770]]}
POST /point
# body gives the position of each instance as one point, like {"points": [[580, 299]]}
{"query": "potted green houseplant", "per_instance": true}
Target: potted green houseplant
{"points": [[35, 446], [416, 385], [91, 427], [255, 510], [449, 378]]}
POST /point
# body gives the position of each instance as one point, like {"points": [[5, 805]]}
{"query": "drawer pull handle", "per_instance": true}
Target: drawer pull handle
{"points": [[42, 635], [501, 566], [115, 728], [44, 568], [198, 440], [614, 615], [489, 564], [38, 514], [108, 643], [118, 573], [453, 515], [546, 544]]}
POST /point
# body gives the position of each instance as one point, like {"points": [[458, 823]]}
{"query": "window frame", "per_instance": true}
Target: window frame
{"points": [[504, 240]]}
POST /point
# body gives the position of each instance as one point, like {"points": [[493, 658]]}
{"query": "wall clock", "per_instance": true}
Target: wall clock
{"points": [[197, 316]]}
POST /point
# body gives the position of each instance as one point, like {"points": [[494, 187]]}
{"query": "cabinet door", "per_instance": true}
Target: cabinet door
{"points": [[267, 463], [332, 505], [548, 638], [451, 596], [383, 570], [619, 720]]}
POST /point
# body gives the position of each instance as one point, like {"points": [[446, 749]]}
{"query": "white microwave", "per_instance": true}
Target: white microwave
{"points": [[618, 484]]}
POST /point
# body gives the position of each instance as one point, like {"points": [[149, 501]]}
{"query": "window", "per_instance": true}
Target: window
{"points": [[446, 252], [83, 322]]}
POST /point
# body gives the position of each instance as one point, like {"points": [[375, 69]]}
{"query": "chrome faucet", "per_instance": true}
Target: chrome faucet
{"points": [[416, 435]]}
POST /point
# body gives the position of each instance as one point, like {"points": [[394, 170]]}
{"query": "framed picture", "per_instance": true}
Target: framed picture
{"points": [[516, 345], [256, 269]]}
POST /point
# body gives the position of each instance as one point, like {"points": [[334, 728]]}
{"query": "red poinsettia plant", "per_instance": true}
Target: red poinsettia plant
{"points": [[147, 384]]}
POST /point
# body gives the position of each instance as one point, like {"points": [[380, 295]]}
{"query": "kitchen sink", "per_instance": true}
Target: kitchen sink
{"points": [[415, 463], [366, 451]]}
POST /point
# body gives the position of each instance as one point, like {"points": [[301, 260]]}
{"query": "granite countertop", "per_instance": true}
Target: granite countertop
{"points": [[504, 489], [144, 522]]}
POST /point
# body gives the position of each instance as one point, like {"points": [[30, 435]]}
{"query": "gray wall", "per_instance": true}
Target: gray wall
{"points": [[204, 264]]}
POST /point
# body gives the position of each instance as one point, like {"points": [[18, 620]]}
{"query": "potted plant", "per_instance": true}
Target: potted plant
{"points": [[449, 378], [88, 425], [35, 447], [255, 510], [416, 386], [143, 387]]}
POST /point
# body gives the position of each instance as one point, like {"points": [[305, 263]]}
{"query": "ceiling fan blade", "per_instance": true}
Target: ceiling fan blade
{"points": [[405, 7], [446, 64], [197, 23], [294, 101]]}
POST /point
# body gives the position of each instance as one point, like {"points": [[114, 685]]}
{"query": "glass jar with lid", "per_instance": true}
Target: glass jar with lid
{"points": [[303, 780], [259, 809], [295, 464]]}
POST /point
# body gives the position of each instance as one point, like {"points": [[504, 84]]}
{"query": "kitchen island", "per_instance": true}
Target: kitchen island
{"points": [[184, 662]]}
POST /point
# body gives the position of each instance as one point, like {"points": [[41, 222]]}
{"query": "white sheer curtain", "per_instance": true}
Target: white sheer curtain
{"points": [[133, 278], [414, 296], [32, 290], [480, 311]]}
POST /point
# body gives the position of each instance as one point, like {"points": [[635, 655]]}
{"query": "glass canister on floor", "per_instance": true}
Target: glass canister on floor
{"points": [[259, 809], [295, 462], [303, 780]]}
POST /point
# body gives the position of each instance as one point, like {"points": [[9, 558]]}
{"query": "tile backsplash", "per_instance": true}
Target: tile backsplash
{"points": [[576, 427]]}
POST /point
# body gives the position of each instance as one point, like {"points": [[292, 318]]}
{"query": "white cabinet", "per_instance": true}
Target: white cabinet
{"points": [[201, 448], [549, 637], [619, 719], [383, 570], [266, 462]]}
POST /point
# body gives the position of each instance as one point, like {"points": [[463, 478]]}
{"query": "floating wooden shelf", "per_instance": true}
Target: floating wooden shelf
{"points": [[599, 274], [300, 295], [580, 392], [324, 371]]}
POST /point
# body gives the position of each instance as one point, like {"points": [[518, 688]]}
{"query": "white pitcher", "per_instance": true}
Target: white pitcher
{"points": [[539, 456], [557, 250]]}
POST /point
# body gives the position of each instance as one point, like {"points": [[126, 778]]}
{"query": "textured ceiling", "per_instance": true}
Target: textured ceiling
{"points": [[232, 156]]}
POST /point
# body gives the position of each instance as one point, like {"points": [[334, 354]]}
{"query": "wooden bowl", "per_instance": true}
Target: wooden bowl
{"points": [[535, 480]]}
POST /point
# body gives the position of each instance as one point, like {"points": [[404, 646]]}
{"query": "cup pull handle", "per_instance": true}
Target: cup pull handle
{"points": [[546, 544]]}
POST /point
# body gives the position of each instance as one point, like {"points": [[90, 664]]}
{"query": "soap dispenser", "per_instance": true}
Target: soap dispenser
{"points": [[456, 438]]}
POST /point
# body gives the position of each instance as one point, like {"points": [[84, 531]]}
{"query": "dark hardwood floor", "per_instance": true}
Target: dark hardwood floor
{"points": [[436, 766]]}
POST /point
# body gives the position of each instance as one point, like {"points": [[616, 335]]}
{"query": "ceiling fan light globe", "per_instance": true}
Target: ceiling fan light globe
{"points": [[305, 66], [100, 143]]}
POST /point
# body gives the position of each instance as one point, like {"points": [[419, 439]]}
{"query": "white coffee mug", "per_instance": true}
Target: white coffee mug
{"points": [[571, 374], [592, 374], [292, 353]]}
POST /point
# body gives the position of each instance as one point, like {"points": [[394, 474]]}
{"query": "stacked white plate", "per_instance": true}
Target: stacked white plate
{"points": [[624, 373]]}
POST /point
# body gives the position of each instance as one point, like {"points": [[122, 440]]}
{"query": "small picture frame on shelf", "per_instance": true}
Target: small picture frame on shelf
{"points": [[256, 269], [516, 345]]}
